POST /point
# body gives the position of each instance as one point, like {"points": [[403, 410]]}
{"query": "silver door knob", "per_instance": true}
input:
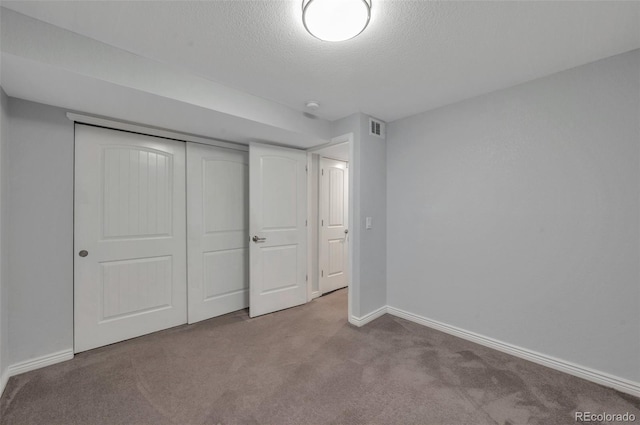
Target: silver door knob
{"points": [[256, 239], [83, 253], [346, 231]]}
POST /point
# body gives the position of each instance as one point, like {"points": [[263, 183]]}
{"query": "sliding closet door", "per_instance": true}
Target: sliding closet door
{"points": [[130, 241], [218, 235]]}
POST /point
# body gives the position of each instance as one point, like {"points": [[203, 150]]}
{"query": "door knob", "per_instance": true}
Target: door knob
{"points": [[346, 231], [83, 253], [256, 239]]}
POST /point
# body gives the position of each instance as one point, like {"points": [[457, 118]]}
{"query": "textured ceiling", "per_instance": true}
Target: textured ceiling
{"points": [[414, 56]]}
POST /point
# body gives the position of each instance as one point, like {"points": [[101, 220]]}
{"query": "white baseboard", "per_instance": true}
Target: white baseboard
{"points": [[360, 321], [4, 378], [589, 374], [39, 362]]}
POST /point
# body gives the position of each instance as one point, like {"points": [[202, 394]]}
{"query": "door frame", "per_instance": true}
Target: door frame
{"points": [[312, 220]]}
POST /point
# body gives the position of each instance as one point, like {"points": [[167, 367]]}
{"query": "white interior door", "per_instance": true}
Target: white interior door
{"points": [[218, 230], [334, 215], [130, 242], [278, 212]]}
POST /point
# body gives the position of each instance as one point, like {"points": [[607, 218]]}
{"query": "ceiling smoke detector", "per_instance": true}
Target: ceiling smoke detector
{"points": [[335, 20], [312, 105]]}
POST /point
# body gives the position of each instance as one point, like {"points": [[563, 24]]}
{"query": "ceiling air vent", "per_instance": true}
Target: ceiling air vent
{"points": [[376, 128]]}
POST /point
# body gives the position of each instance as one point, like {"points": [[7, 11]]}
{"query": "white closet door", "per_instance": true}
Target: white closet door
{"points": [[130, 241], [218, 230], [278, 211], [334, 215]]}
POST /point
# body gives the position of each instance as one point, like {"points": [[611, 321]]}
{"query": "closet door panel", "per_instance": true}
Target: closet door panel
{"points": [[130, 241], [217, 209]]}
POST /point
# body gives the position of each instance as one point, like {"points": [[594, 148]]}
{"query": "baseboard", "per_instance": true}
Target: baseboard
{"points": [[39, 362], [589, 374], [360, 321], [4, 378]]}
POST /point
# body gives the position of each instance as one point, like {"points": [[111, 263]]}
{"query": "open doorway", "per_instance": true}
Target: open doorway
{"points": [[330, 250]]}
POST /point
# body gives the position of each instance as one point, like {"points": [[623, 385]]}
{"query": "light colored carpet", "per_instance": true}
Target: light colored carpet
{"points": [[305, 365]]}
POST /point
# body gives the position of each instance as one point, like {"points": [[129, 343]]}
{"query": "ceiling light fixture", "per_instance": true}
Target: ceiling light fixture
{"points": [[335, 20]]}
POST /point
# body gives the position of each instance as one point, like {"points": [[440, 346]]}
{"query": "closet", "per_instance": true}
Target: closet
{"points": [[162, 232]]}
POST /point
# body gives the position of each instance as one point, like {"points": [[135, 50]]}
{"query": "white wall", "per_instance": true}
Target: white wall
{"points": [[40, 232], [515, 215], [368, 187], [4, 312]]}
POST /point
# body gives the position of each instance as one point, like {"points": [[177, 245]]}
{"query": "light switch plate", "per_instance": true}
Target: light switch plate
{"points": [[368, 223]]}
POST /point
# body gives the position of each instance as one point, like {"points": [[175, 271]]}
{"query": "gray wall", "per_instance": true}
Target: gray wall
{"points": [[368, 188], [515, 215], [40, 230], [4, 312], [373, 203]]}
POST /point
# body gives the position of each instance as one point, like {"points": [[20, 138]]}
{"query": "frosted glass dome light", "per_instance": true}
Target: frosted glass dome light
{"points": [[335, 20]]}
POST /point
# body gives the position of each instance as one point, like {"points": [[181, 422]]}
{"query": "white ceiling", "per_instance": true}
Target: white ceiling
{"points": [[415, 55]]}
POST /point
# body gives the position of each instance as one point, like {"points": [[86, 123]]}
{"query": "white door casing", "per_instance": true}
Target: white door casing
{"points": [[278, 212], [218, 230], [130, 219], [334, 215]]}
